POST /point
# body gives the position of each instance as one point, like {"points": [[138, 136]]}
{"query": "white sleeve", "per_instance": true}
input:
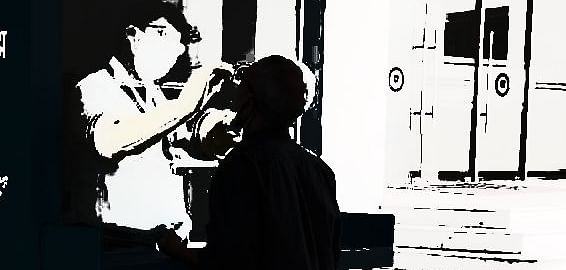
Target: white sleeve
{"points": [[101, 94]]}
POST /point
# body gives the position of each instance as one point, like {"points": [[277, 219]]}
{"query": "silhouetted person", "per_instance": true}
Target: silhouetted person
{"points": [[272, 203]]}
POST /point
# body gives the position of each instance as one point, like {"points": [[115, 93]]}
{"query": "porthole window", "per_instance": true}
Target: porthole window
{"points": [[396, 79], [502, 84]]}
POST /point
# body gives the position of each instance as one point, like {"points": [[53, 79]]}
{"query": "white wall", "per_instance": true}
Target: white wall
{"points": [[275, 28], [353, 117], [207, 16], [546, 129]]}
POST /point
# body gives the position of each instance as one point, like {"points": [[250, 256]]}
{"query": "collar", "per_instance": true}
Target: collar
{"points": [[121, 74], [150, 92]]}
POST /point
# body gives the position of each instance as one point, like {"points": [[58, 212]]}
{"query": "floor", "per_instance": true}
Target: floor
{"points": [[486, 225]]}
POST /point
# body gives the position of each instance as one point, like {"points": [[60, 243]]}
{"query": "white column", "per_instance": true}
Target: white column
{"points": [[353, 114], [275, 28], [207, 16]]}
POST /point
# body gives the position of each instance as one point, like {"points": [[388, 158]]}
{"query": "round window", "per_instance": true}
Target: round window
{"points": [[396, 79], [502, 84]]}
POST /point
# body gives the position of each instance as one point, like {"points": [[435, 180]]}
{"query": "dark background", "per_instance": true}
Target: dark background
{"points": [[30, 110], [18, 231]]}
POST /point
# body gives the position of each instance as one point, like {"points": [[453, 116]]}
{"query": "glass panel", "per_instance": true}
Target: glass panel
{"points": [[496, 27], [460, 34]]}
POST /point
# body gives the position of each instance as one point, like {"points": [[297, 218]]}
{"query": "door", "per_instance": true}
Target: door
{"points": [[433, 131], [447, 89], [500, 90], [437, 89], [403, 92], [457, 27]]}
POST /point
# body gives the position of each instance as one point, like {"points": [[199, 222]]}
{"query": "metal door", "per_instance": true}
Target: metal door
{"points": [[450, 89], [500, 90], [403, 92]]}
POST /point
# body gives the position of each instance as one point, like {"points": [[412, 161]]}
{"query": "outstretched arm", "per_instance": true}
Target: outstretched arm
{"points": [[118, 131]]}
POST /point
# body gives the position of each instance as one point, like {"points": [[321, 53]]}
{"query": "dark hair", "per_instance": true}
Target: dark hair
{"points": [[276, 90], [140, 13]]}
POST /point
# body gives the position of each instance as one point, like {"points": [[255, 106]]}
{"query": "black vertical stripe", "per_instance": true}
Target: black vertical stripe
{"points": [[523, 137], [238, 30]]}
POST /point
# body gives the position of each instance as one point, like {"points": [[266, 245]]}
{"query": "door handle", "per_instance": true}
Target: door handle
{"points": [[420, 115], [411, 114], [484, 114], [431, 113]]}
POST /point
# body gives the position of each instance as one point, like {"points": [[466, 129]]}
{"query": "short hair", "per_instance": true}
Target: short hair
{"points": [[276, 89], [140, 13]]}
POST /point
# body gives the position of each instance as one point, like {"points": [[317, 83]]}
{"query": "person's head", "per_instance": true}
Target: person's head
{"points": [[276, 94], [153, 35]]}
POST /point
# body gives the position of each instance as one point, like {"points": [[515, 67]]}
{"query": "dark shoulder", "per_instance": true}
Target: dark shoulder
{"points": [[312, 157], [234, 158], [283, 151]]}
